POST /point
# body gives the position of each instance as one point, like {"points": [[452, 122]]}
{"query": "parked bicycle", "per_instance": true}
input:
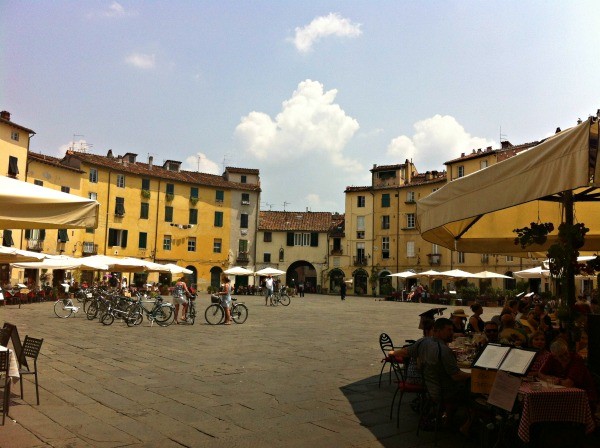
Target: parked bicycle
{"points": [[161, 313], [64, 308], [190, 315], [215, 313]]}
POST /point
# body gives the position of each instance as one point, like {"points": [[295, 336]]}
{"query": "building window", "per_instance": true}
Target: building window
{"points": [[7, 239], [193, 216], [119, 206], [146, 184], [93, 196], [509, 258], [435, 249], [461, 171], [244, 179], [121, 180], [219, 196], [191, 244], [410, 220], [385, 222], [13, 166], [218, 219], [144, 210], [360, 235], [168, 213], [460, 257], [65, 189], [244, 221], [63, 235], [267, 237], [245, 198], [266, 257], [303, 239], [410, 249], [143, 240], [243, 247], [483, 164], [385, 247], [194, 192], [485, 258], [360, 201], [385, 200], [167, 242], [38, 182], [361, 257], [360, 223], [14, 135], [170, 189], [217, 244], [93, 175], [410, 196], [90, 230], [117, 237]]}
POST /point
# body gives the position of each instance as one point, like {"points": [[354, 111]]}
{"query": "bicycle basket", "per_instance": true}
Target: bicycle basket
{"points": [[214, 298]]}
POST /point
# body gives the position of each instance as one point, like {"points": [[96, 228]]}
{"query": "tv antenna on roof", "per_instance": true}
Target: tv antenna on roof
{"points": [[502, 136], [285, 204], [83, 145], [225, 161]]}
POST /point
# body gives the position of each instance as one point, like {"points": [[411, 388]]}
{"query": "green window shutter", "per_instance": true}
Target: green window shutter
{"points": [[112, 237], [290, 238], [143, 240], [27, 234], [314, 239], [124, 239], [7, 239], [63, 236], [42, 234], [218, 219]]}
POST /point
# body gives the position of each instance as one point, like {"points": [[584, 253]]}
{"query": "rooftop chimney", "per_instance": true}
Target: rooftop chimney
{"points": [[5, 115], [150, 161], [110, 154], [462, 154]]}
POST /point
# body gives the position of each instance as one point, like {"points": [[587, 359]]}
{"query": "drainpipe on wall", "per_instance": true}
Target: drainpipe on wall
{"points": [[156, 222], [107, 209]]}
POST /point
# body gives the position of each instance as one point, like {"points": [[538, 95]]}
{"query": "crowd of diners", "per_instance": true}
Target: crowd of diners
{"points": [[523, 323]]}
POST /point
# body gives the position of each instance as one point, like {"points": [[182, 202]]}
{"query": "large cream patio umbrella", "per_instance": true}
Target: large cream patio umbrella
{"points": [[556, 181], [27, 206], [12, 255]]}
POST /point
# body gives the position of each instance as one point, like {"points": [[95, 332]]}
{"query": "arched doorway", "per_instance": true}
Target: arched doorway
{"points": [[192, 279], [361, 281], [336, 277], [302, 272], [385, 282], [215, 276], [510, 283]]}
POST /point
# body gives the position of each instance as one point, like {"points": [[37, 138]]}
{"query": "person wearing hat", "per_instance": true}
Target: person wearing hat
{"points": [[458, 318]]}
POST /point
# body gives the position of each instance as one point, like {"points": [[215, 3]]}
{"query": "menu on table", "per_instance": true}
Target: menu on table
{"points": [[491, 357], [509, 359], [518, 361]]}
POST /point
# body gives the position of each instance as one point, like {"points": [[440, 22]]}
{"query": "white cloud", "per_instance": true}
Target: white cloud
{"points": [[115, 10], [140, 60], [324, 26], [199, 162], [309, 123], [436, 140]]}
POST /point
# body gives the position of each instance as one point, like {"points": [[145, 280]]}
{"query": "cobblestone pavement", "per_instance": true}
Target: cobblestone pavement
{"points": [[297, 376]]}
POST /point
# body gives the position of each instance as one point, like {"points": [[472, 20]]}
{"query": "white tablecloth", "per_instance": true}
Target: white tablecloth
{"points": [[13, 367]]}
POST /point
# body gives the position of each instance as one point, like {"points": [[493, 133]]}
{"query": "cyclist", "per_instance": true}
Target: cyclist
{"points": [[226, 299]]}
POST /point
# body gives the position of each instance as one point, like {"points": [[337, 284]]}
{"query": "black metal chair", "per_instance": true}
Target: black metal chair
{"points": [[4, 337], [31, 349], [4, 382], [385, 342], [406, 387]]}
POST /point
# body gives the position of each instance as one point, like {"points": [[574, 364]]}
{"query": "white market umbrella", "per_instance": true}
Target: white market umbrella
{"points": [[149, 266], [430, 273], [538, 272], [488, 274], [405, 274], [269, 271], [457, 273], [28, 206], [119, 264], [12, 254], [238, 270], [63, 262], [176, 269]]}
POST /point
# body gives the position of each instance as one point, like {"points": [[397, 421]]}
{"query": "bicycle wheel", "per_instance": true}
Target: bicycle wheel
{"points": [[86, 304], [191, 315], [285, 299], [107, 318], [275, 299], [214, 314], [92, 311], [239, 313], [164, 315], [61, 310], [134, 316]]}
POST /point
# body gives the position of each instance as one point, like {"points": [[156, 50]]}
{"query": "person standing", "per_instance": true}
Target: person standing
{"points": [[343, 290], [301, 288], [180, 293], [269, 292], [226, 299]]}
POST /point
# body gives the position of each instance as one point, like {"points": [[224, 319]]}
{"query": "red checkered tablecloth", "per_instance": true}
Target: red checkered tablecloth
{"points": [[554, 405]]}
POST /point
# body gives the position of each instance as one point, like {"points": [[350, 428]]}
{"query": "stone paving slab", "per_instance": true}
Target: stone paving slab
{"points": [[297, 376]]}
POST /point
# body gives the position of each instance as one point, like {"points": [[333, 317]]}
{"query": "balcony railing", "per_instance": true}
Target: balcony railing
{"points": [[360, 261], [89, 249], [435, 259], [36, 245], [243, 257], [337, 251]]}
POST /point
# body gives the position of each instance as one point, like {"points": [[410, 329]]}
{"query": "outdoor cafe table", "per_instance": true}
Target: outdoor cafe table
{"points": [[553, 404]]}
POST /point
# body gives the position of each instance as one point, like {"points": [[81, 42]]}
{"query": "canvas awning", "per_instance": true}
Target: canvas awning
{"points": [[478, 213], [27, 206]]}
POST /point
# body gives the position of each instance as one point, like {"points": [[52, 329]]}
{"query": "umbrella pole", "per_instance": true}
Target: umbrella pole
{"points": [[569, 278]]}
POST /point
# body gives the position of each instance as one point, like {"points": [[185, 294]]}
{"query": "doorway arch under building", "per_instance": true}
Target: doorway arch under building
{"points": [[305, 272]]}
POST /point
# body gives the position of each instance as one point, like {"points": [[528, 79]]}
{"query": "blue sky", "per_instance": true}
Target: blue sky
{"points": [[311, 93]]}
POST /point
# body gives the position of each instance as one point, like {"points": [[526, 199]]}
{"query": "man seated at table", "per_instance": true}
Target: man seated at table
{"points": [[568, 369], [443, 378]]}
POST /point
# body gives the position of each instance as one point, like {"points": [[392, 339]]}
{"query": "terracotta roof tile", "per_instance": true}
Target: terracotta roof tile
{"points": [[233, 169], [308, 221], [15, 125], [49, 160]]}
